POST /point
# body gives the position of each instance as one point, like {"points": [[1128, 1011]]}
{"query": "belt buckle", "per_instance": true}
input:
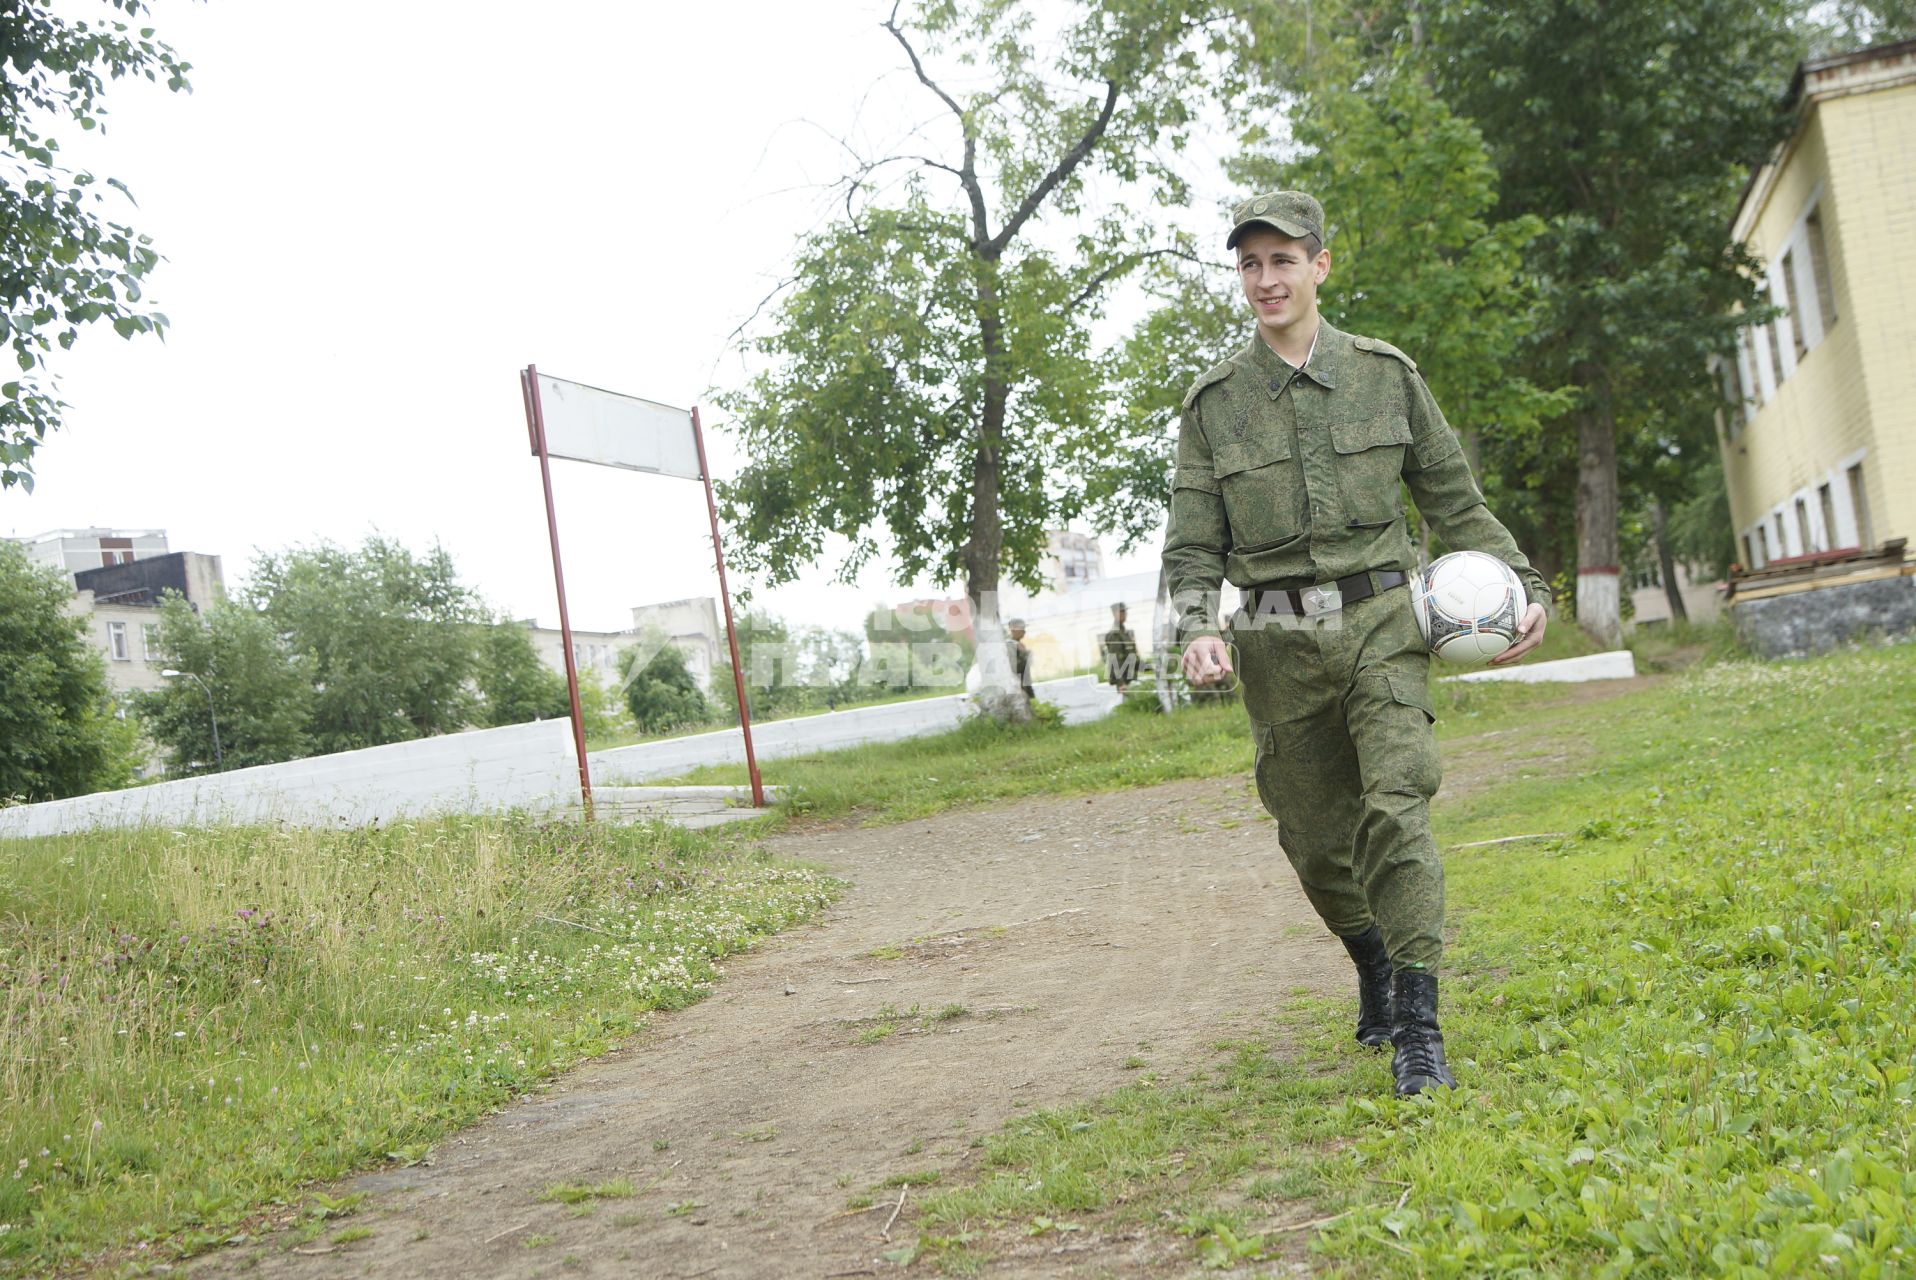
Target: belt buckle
{"points": [[1328, 598]]}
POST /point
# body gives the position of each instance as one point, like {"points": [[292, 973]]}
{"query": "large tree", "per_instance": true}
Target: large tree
{"points": [[240, 676], [63, 263], [1837, 26], [933, 386], [1628, 128], [392, 638], [59, 732], [1417, 259]]}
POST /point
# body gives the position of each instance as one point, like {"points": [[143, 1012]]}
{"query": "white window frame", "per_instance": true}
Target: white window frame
{"points": [[117, 646], [1782, 350]]}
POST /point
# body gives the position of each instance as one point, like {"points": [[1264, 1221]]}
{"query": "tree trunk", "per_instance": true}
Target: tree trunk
{"points": [[999, 694], [1599, 603], [1548, 560], [1666, 562]]}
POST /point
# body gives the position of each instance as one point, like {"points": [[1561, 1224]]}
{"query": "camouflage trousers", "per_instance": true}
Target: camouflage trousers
{"points": [[1347, 763]]}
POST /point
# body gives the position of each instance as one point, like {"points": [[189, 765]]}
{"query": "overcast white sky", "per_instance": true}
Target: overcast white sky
{"points": [[375, 213]]}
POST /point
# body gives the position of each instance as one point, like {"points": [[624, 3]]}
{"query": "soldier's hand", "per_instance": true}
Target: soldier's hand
{"points": [[1529, 636], [1207, 660]]}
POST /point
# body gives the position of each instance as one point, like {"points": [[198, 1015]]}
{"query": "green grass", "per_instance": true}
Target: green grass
{"points": [[197, 1022], [983, 761], [575, 1193], [1686, 1029], [630, 737]]}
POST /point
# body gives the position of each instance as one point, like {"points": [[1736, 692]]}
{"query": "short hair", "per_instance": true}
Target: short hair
{"points": [[1312, 246]]}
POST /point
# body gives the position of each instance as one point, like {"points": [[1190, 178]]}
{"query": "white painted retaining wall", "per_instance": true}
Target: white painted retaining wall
{"points": [[525, 766], [1080, 698], [1618, 664], [521, 766]]}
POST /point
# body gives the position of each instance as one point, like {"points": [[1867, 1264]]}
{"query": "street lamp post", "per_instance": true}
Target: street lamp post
{"points": [[219, 757]]}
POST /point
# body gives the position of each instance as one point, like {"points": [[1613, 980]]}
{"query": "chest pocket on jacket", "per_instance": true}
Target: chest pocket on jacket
{"points": [[1263, 489], [1370, 466]]}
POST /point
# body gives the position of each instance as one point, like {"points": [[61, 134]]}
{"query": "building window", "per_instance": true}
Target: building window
{"points": [[1783, 551], [1859, 507], [1798, 320], [1733, 393], [1828, 505], [1748, 377], [1803, 527], [116, 642], [150, 641], [1776, 353], [1749, 553], [1820, 269], [1762, 544]]}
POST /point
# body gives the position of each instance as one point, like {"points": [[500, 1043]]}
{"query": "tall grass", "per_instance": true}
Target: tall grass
{"points": [[196, 1021]]}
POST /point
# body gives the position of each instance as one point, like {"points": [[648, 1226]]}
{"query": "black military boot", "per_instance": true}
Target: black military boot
{"points": [[1373, 986], [1419, 1061]]}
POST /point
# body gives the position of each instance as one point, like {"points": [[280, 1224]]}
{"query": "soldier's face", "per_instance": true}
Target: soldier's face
{"points": [[1279, 280]]}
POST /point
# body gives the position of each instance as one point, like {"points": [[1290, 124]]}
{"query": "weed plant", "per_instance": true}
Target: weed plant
{"points": [[197, 1021]]}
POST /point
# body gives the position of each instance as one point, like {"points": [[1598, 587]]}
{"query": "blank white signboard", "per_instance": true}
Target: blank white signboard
{"points": [[590, 425]]}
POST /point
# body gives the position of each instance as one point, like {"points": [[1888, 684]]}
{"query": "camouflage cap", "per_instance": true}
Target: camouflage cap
{"points": [[1290, 213]]}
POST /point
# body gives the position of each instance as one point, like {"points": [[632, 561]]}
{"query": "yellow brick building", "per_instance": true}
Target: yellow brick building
{"points": [[1821, 454]]}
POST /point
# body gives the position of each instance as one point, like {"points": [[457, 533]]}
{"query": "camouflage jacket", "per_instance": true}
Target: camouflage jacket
{"points": [[1289, 477], [1120, 651]]}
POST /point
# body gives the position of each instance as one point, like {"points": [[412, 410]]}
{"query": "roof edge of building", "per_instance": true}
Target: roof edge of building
{"points": [[1794, 102]]}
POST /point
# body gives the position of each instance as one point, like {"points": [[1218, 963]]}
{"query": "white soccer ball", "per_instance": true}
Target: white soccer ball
{"points": [[1468, 605]]}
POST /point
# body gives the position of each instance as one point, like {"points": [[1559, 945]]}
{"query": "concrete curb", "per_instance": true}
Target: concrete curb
{"points": [[1618, 664]]}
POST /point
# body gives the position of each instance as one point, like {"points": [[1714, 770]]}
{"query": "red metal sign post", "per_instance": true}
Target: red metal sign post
{"points": [[535, 419], [731, 632]]}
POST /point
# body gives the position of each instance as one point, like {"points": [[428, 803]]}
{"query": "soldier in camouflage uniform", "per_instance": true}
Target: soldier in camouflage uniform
{"points": [[1021, 659], [1120, 649], [1292, 460]]}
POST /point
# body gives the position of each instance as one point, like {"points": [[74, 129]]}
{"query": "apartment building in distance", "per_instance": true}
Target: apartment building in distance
{"points": [[690, 625], [73, 550], [1070, 559], [1819, 453], [118, 577]]}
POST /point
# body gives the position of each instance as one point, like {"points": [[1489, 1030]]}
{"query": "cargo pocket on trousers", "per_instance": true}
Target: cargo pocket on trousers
{"points": [[1264, 764], [1398, 748], [1412, 691]]}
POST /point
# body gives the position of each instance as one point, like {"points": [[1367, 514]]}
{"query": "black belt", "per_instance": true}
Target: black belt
{"points": [[1358, 586]]}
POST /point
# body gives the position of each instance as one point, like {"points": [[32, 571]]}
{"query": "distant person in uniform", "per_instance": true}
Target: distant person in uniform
{"points": [[1120, 652], [1292, 458], [1021, 658]]}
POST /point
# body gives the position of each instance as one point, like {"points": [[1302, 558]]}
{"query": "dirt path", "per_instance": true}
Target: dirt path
{"points": [[1074, 934]]}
